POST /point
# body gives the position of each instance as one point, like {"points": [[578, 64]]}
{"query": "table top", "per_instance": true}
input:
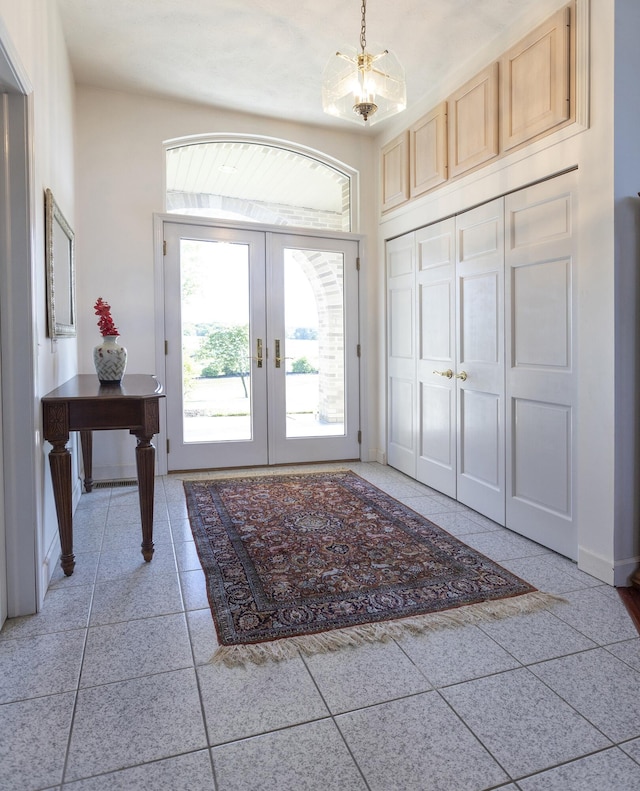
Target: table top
{"points": [[87, 386]]}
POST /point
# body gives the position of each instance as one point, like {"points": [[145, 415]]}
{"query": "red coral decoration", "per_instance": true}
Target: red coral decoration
{"points": [[105, 322]]}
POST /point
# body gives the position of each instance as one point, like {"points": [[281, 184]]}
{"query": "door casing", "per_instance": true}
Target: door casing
{"points": [[159, 292]]}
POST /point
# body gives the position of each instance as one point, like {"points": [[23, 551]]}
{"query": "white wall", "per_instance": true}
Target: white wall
{"points": [[609, 546], [32, 35], [627, 283], [120, 166]]}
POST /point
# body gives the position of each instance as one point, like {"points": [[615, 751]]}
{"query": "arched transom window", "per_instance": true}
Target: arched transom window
{"points": [[257, 182]]}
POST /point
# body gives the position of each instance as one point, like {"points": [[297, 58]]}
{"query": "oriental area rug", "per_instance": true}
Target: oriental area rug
{"points": [[313, 562]]}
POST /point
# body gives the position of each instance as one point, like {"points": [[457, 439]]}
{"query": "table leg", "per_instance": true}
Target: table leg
{"points": [[145, 464], [86, 440], [60, 464]]}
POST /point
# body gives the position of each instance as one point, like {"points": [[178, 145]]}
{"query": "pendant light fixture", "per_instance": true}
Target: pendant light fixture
{"points": [[362, 87]]}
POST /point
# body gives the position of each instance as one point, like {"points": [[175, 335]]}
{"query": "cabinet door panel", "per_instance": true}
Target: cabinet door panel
{"points": [[428, 151], [534, 82], [480, 457], [472, 118], [542, 456], [394, 169]]}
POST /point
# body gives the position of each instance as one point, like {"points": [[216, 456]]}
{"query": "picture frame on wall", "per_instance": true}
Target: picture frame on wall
{"points": [[60, 271]]}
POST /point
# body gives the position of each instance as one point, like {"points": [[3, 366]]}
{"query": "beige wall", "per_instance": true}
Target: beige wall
{"points": [[120, 166], [31, 35]]}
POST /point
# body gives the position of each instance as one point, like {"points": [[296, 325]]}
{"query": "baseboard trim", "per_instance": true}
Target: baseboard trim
{"points": [[597, 566]]}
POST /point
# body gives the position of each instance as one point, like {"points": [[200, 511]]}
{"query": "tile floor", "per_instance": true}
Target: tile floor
{"points": [[110, 688]]}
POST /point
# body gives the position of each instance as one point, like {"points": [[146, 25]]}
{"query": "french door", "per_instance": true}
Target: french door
{"points": [[261, 347]]}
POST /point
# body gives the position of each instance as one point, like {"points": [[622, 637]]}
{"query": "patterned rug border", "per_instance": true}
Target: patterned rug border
{"points": [[332, 639]]}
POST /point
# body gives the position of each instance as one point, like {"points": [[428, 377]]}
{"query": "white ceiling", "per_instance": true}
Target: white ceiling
{"points": [[267, 56]]}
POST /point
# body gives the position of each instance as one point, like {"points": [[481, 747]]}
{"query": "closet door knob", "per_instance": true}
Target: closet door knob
{"points": [[462, 375], [448, 373]]}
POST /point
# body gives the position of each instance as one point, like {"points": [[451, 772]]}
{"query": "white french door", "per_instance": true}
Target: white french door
{"points": [[261, 341]]}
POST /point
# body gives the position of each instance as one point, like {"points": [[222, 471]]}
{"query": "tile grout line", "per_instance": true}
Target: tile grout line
{"points": [[193, 658], [65, 765], [333, 716], [63, 783]]}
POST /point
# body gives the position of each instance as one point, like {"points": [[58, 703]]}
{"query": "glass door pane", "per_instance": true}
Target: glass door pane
{"points": [[216, 369], [314, 343], [216, 385], [261, 361], [312, 331]]}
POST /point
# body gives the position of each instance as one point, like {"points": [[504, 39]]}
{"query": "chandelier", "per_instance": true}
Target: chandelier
{"points": [[359, 86]]}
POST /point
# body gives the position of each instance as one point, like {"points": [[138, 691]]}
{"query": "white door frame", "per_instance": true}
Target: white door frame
{"points": [[19, 403], [159, 288]]}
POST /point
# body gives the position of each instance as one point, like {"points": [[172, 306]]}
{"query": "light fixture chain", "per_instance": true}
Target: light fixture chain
{"points": [[363, 27]]}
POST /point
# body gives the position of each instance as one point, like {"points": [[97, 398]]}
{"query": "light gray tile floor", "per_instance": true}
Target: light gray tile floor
{"points": [[110, 686]]}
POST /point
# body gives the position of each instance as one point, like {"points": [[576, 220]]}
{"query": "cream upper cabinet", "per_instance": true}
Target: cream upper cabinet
{"points": [[534, 82], [428, 151], [534, 89], [394, 168], [473, 122]]}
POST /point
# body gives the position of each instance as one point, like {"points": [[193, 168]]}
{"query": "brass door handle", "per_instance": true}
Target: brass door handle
{"points": [[462, 375], [279, 359], [258, 358], [448, 373]]}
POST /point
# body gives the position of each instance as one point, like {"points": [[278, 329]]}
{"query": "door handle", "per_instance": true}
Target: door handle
{"points": [[258, 357], [448, 373], [278, 358], [462, 375]]}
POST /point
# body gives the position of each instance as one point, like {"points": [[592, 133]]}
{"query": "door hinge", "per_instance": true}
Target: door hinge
{"points": [[164, 247], [167, 446], [359, 437], [358, 264], [358, 350], [166, 347]]}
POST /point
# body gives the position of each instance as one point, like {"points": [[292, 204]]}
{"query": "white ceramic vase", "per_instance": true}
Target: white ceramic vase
{"points": [[110, 360]]}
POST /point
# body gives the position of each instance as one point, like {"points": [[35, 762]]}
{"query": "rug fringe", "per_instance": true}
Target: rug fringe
{"points": [[335, 639]]}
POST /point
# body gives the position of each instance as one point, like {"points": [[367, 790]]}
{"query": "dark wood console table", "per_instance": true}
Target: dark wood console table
{"points": [[84, 404]]}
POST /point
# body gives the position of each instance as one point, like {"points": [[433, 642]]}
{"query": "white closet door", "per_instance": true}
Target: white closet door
{"points": [[436, 310], [540, 264], [480, 370], [401, 356]]}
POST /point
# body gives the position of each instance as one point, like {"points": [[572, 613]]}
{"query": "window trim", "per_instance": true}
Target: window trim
{"points": [[273, 142]]}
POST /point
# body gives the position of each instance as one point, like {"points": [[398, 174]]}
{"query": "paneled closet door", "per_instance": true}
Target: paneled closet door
{"points": [[436, 364], [401, 355], [460, 362], [480, 369], [541, 365]]}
